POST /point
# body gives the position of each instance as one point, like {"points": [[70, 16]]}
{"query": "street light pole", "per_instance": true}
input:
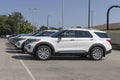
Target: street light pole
{"points": [[92, 18], [108, 12], [89, 14], [33, 13], [62, 14], [48, 22]]}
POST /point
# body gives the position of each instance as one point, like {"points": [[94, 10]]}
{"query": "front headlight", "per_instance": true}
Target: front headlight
{"points": [[31, 40], [34, 40]]}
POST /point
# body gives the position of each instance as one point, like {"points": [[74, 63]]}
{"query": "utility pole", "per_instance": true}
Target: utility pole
{"points": [[108, 13], [92, 18], [48, 22], [89, 13], [62, 14], [33, 17]]}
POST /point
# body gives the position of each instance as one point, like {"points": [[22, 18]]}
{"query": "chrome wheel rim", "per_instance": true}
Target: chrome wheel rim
{"points": [[43, 53], [97, 53]]}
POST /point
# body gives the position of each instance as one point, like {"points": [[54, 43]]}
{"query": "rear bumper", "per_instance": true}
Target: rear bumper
{"points": [[109, 51]]}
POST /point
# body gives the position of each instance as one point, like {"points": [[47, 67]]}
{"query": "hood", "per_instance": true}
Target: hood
{"points": [[26, 36], [40, 37]]}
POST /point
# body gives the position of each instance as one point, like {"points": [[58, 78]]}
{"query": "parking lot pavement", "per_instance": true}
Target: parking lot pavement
{"points": [[14, 65]]}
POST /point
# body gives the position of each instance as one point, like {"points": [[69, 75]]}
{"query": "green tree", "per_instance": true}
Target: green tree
{"points": [[43, 28], [4, 27], [51, 28], [15, 23], [78, 27], [26, 27], [54, 28], [14, 20]]}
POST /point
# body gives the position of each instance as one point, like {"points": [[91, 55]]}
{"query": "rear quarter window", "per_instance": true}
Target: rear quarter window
{"points": [[84, 34], [101, 35]]}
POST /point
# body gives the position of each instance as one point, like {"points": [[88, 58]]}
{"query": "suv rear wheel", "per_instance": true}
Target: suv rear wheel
{"points": [[43, 52], [97, 53]]}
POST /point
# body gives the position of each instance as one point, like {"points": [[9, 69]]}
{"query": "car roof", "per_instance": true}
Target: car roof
{"points": [[51, 30], [86, 29]]}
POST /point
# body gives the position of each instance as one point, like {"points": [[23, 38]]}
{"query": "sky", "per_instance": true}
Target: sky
{"points": [[75, 11]]}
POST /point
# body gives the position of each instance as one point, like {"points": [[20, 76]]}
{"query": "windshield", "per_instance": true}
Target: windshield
{"points": [[57, 33], [29, 34], [39, 33], [45, 33], [20, 35], [36, 33]]}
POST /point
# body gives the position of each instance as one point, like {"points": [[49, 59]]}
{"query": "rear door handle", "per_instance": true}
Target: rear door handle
{"points": [[72, 40]]}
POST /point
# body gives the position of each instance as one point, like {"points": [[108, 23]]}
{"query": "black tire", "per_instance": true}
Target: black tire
{"points": [[96, 53], [43, 52]]}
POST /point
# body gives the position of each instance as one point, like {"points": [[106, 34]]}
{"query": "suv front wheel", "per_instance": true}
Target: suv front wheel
{"points": [[96, 53], [43, 52]]}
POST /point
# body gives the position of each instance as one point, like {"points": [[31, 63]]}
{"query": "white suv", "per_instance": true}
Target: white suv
{"points": [[94, 43]]}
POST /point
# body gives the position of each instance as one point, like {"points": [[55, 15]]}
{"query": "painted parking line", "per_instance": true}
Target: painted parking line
{"points": [[26, 68]]}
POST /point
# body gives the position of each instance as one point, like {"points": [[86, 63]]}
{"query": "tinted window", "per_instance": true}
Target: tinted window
{"points": [[84, 34], [70, 33], [36, 33], [58, 33], [45, 33], [39, 33], [101, 35]]}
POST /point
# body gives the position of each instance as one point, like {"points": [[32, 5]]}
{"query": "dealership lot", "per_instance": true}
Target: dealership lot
{"points": [[14, 65]]}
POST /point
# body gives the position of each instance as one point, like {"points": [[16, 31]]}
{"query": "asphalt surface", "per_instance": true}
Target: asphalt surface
{"points": [[14, 65]]}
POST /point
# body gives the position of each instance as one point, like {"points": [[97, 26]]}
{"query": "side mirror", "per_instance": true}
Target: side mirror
{"points": [[60, 36]]}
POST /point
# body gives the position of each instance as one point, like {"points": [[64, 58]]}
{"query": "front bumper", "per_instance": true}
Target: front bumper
{"points": [[28, 49], [13, 45], [26, 52], [18, 45]]}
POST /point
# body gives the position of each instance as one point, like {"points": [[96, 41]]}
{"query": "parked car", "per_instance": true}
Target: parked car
{"points": [[94, 43], [8, 36], [13, 38], [21, 40]]}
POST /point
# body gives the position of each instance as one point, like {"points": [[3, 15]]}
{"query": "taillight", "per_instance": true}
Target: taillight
{"points": [[110, 41]]}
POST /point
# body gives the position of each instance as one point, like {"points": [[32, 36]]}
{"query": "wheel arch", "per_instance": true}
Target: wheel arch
{"points": [[98, 45], [44, 43]]}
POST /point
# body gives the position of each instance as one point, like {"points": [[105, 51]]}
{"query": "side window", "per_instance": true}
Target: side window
{"points": [[70, 33], [47, 33], [101, 35], [84, 34]]}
